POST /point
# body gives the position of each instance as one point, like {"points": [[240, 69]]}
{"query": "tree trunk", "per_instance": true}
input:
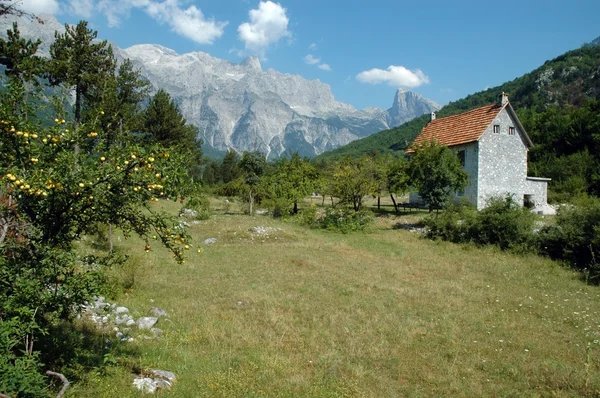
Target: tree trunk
{"points": [[394, 202], [378, 202], [296, 206], [110, 240], [251, 201], [78, 96]]}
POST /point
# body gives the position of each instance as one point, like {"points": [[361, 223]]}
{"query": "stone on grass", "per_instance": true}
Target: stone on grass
{"points": [[164, 374], [121, 310], [146, 322], [145, 384], [158, 312], [161, 379], [209, 241]]}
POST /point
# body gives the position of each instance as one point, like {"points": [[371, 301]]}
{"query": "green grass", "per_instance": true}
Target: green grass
{"points": [[382, 314]]}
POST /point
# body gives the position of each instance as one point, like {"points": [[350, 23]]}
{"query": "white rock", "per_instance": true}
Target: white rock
{"points": [[146, 322]]}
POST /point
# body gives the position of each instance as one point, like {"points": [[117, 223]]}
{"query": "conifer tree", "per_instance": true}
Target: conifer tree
{"points": [[80, 62]]}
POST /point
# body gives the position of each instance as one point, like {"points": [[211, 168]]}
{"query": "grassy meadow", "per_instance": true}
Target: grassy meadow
{"points": [[312, 313]]}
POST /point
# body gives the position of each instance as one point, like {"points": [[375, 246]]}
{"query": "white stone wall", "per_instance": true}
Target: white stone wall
{"points": [[502, 162], [471, 168]]}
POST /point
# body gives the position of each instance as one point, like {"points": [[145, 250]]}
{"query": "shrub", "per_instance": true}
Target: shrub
{"points": [[308, 216], [200, 205], [503, 223], [452, 225], [341, 219], [575, 236]]}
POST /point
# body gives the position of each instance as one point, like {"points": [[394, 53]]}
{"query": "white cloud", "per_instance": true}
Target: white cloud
{"points": [[309, 59], [116, 11], [312, 60], [268, 24], [312, 47], [397, 76], [40, 6], [190, 22], [82, 8]]}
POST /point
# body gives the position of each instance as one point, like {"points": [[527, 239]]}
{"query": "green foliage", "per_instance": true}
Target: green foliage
{"points": [[436, 173], [19, 57], [288, 181], [454, 224], [350, 179], [122, 100], [198, 203], [19, 374], [164, 124], [58, 182], [575, 237], [344, 220], [503, 223], [568, 149], [230, 169], [79, 62], [252, 166]]}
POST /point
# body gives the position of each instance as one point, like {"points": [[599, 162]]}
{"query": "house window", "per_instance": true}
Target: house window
{"points": [[496, 129], [461, 157], [511, 131]]}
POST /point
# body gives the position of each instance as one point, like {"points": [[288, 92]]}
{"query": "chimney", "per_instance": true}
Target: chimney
{"points": [[503, 98], [432, 116]]}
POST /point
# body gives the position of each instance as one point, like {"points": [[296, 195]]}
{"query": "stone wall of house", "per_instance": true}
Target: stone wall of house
{"points": [[471, 167], [502, 161]]}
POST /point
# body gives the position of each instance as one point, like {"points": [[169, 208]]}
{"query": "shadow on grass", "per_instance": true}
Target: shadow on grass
{"points": [[79, 347]]}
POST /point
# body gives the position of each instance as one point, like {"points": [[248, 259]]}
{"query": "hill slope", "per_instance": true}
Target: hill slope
{"points": [[570, 79]]}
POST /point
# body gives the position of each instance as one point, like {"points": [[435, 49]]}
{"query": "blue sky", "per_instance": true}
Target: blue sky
{"points": [[364, 50]]}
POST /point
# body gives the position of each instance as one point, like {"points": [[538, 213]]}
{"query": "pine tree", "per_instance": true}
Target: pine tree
{"points": [[80, 62]]}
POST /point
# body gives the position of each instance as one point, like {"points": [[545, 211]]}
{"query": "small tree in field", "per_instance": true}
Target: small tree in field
{"points": [[252, 165], [398, 181], [291, 180], [352, 179], [436, 173]]}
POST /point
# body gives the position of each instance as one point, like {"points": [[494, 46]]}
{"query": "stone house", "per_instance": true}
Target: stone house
{"points": [[492, 146]]}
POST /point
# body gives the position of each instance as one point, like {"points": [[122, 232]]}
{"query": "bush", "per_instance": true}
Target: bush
{"points": [[575, 237], [503, 223], [341, 219], [308, 216], [20, 372], [453, 225], [200, 205]]}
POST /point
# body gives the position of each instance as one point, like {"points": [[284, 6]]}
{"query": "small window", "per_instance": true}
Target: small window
{"points": [[511, 131], [496, 129], [461, 157]]}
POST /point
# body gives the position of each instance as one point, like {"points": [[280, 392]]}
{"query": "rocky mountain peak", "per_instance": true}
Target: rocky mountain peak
{"points": [[408, 105], [253, 63]]}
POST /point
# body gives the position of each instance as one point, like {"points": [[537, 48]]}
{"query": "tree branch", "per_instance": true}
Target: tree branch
{"points": [[60, 376]]}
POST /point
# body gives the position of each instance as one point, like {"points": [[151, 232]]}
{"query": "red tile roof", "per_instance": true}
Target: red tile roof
{"points": [[458, 129]]}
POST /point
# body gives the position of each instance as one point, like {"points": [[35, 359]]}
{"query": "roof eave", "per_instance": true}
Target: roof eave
{"points": [[519, 125]]}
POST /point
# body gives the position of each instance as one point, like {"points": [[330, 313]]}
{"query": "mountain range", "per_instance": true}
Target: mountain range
{"points": [[242, 107]]}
